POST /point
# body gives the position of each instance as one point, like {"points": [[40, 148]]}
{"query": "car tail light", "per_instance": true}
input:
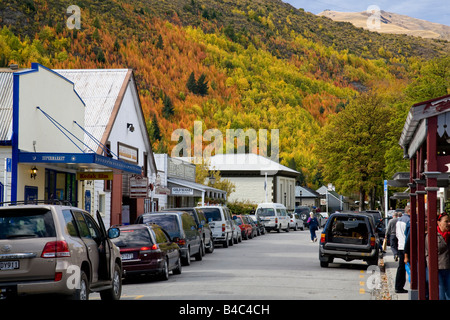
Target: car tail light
{"points": [[181, 242], [56, 249], [322, 238], [372, 241], [276, 220], [223, 227]]}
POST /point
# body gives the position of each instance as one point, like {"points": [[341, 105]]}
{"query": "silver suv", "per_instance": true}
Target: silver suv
{"points": [[57, 249]]}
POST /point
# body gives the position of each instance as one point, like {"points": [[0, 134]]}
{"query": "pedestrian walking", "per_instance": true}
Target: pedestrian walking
{"points": [[400, 228], [443, 237], [391, 234], [313, 226]]}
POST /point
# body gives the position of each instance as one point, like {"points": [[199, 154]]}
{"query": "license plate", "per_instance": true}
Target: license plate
{"points": [[127, 256], [9, 265]]}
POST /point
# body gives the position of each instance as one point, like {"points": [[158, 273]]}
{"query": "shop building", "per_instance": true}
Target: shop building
{"points": [[425, 140], [175, 185], [77, 136]]}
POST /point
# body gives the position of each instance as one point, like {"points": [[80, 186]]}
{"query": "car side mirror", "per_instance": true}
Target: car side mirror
{"points": [[113, 233], [234, 217]]}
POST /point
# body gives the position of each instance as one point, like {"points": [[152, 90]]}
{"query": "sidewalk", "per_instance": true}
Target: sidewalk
{"points": [[390, 266]]}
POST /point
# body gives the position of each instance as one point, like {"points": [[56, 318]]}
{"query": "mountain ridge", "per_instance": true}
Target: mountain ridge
{"points": [[393, 23]]}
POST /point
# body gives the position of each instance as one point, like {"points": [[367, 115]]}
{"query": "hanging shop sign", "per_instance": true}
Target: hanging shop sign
{"points": [[138, 187]]}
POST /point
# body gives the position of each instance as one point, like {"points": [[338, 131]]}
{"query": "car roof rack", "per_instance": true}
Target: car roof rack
{"points": [[35, 202]]}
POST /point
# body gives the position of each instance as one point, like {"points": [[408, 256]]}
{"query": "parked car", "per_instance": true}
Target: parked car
{"points": [[349, 236], [254, 226], [260, 225], [274, 216], [303, 213], [380, 225], [237, 234], [180, 226], [324, 218], [42, 246], [295, 222], [148, 249], [202, 225], [219, 219], [245, 227]]}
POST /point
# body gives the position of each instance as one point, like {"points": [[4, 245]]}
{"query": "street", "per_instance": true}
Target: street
{"points": [[275, 266]]}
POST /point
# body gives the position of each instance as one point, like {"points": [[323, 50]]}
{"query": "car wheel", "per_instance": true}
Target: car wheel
{"points": [[211, 246], [187, 259], [115, 291], [296, 227], [177, 269], [199, 255], [82, 292], [324, 264], [225, 244], [165, 271]]}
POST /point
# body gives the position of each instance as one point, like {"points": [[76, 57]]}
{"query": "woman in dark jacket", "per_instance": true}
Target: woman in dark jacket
{"points": [[313, 226]]}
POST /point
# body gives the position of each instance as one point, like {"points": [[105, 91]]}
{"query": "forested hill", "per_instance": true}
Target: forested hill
{"points": [[229, 63]]}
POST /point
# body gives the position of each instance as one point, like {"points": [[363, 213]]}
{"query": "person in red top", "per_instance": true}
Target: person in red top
{"points": [[443, 235]]}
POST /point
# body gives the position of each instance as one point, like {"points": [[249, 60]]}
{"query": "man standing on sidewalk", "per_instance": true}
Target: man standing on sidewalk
{"points": [[391, 234], [400, 278]]}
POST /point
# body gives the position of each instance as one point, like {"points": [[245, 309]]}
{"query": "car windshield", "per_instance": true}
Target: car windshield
{"points": [[26, 223], [266, 212], [168, 222], [212, 213], [132, 238]]}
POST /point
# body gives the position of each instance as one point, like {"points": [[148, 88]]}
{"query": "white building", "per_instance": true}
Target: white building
{"points": [[257, 179], [76, 136]]}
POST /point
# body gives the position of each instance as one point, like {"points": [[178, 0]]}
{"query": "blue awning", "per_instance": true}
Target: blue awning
{"points": [[79, 161]]}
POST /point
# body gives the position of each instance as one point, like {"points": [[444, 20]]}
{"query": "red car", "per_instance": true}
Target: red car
{"points": [[148, 249], [246, 228]]}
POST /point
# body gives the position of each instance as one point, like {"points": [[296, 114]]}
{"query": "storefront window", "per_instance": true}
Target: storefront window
{"points": [[60, 186]]}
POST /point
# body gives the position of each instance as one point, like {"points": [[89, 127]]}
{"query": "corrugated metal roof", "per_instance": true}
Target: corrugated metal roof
{"points": [[6, 104], [99, 89]]}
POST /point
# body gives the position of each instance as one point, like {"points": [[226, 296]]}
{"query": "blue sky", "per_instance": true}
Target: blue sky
{"points": [[431, 10]]}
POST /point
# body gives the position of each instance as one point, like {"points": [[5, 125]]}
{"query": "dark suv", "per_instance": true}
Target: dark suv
{"points": [[202, 225], [180, 225], [349, 236], [303, 213]]}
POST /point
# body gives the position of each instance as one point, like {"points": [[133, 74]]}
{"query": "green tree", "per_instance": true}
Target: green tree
{"points": [[202, 85], [350, 149], [168, 109], [160, 43], [192, 83], [432, 81], [156, 131]]}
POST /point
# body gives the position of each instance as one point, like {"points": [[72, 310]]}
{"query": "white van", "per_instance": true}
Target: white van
{"points": [[219, 220], [274, 216]]}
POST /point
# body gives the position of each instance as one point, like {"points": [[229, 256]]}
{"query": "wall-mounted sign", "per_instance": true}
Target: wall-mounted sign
{"points": [[138, 187], [128, 153], [179, 191], [95, 175]]}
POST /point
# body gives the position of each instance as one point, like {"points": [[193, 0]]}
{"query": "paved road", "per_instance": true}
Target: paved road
{"points": [[273, 266]]}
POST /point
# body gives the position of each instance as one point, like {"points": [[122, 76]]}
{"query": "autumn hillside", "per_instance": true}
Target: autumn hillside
{"points": [[230, 64]]}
